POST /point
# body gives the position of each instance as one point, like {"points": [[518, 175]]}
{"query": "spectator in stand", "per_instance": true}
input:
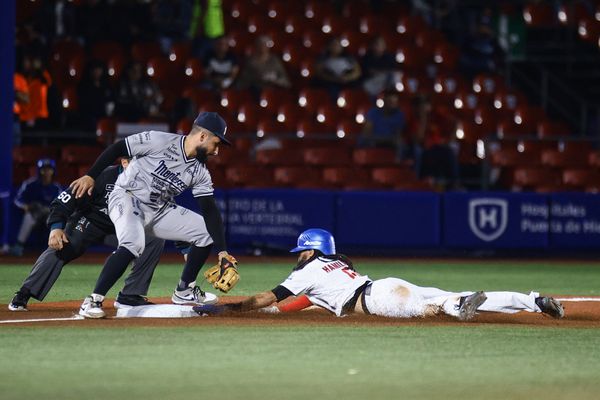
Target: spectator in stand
{"points": [[96, 99], [172, 21], [220, 65], [428, 143], [34, 198], [336, 69], [384, 126], [137, 97], [263, 68], [481, 51], [378, 66], [35, 113], [21, 101]]}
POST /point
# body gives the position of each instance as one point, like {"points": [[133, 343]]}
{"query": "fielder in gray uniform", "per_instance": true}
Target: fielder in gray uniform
{"points": [[74, 225], [141, 203]]}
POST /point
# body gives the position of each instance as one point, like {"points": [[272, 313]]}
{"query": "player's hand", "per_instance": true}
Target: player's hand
{"points": [[81, 186], [209, 309], [57, 239], [229, 259]]}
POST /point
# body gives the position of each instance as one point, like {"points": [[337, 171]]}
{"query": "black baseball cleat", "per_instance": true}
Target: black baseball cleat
{"points": [[550, 306], [131, 300], [19, 302]]}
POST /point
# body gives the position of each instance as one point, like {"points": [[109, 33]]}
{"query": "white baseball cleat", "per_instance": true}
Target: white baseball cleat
{"points": [[470, 304], [92, 307], [193, 295]]}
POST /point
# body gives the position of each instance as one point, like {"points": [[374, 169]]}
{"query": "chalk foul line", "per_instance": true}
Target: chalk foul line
{"points": [[16, 321]]}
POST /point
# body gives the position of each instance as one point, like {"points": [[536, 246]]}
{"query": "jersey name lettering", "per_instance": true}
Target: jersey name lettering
{"points": [[171, 177], [333, 266]]}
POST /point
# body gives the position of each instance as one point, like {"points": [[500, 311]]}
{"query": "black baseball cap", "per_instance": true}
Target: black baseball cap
{"points": [[212, 121]]}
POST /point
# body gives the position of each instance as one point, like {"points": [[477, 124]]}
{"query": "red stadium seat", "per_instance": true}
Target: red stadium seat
{"points": [[160, 70], [390, 177], [314, 41], [338, 177], [540, 15], [106, 131], [239, 41], [408, 55], [327, 116], [581, 177], [194, 71], [354, 10], [577, 148], [65, 174], [144, 51], [279, 157], [410, 25], [509, 99], [445, 56], [105, 50], [292, 55], [281, 10], [248, 114], [354, 42], [550, 129], [528, 178], [249, 176], [469, 131], [313, 98], [564, 159], [350, 99], [230, 157], [184, 126], [269, 128], [508, 128], [327, 157], [571, 13], [512, 157], [30, 154], [371, 24], [70, 100], [232, 99], [180, 53], [298, 177], [374, 157], [309, 128], [289, 115], [594, 159], [75, 154], [296, 24], [487, 84], [333, 25], [348, 129], [271, 98], [318, 10], [114, 67]]}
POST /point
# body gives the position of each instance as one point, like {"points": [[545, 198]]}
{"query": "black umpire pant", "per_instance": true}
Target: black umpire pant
{"points": [[82, 234]]}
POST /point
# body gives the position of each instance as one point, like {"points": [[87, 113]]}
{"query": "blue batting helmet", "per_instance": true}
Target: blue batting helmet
{"points": [[315, 239], [46, 163]]}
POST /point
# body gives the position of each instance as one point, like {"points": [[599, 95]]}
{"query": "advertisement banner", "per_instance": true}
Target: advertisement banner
{"points": [[575, 220], [495, 220], [388, 219], [275, 218]]}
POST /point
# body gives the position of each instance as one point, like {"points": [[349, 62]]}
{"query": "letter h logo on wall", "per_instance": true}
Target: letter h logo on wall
{"points": [[488, 218]]}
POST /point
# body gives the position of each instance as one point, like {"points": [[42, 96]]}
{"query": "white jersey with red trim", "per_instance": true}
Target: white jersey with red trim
{"points": [[161, 170], [327, 282]]}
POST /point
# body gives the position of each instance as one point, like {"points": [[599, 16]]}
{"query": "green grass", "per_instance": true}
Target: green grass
{"points": [[327, 362], [77, 281], [473, 362]]}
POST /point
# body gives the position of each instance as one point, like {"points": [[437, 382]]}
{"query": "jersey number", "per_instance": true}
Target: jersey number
{"points": [[350, 272], [64, 197]]}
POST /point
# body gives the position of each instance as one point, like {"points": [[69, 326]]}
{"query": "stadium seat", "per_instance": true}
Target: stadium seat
{"points": [[307, 70], [308, 128], [289, 114], [279, 157], [30, 154], [327, 157], [76, 154], [350, 99], [348, 129], [65, 174], [374, 157], [106, 131], [487, 84], [447, 86], [314, 41], [259, 24], [552, 129], [564, 159], [184, 126], [469, 131], [144, 51], [339, 177], [370, 25], [180, 52], [486, 118], [115, 66], [194, 71], [408, 55], [539, 15], [571, 13], [445, 56], [249, 176], [354, 42], [390, 177], [269, 128], [296, 24], [512, 157], [332, 25], [594, 159], [240, 10], [581, 178], [105, 50], [160, 70], [70, 99], [232, 99], [410, 25], [318, 10], [281, 10], [298, 177], [312, 98], [327, 117], [230, 157], [248, 114], [507, 128], [354, 10], [292, 55], [528, 178], [271, 98], [508, 99]]}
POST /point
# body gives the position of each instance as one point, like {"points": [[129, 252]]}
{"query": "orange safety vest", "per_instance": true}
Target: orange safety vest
{"points": [[20, 85], [38, 99]]}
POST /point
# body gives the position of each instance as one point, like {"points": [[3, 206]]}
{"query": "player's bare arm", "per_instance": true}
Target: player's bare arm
{"points": [[85, 184], [254, 303]]}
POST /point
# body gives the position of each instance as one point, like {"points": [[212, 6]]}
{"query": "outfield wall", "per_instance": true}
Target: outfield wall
{"points": [[413, 220]]}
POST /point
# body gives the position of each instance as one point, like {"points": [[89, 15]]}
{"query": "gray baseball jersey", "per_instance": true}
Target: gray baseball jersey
{"points": [[161, 170]]}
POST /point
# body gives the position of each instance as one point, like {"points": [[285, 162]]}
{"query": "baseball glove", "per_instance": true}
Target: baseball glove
{"points": [[223, 275]]}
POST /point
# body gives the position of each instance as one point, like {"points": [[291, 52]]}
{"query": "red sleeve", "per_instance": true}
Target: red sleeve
{"points": [[300, 303]]}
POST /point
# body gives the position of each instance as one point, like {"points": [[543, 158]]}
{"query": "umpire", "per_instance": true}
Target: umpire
{"points": [[75, 224]]}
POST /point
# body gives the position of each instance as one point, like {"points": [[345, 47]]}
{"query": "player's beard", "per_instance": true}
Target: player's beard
{"points": [[201, 154]]}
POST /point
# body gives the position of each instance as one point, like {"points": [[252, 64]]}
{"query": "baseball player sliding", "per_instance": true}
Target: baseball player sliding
{"points": [[141, 204], [329, 280], [75, 224]]}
